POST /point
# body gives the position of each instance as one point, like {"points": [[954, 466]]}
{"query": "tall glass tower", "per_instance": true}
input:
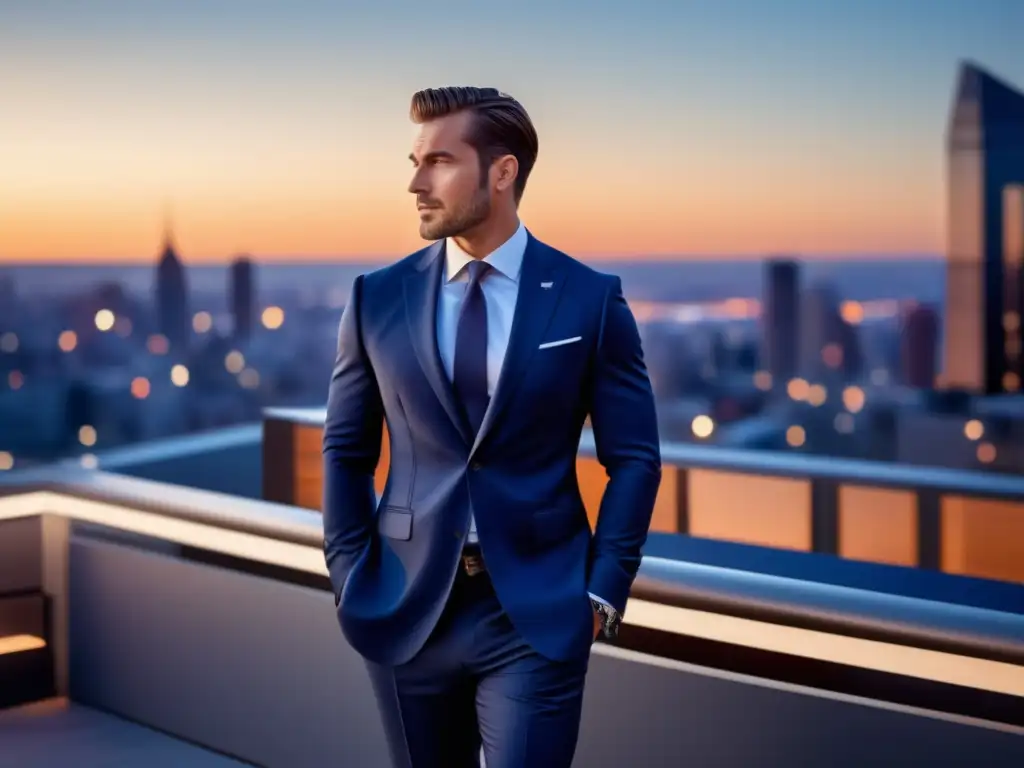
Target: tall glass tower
{"points": [[985, 248]]}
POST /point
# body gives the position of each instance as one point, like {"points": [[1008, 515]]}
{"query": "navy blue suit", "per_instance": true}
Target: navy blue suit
{"points": [[393, 565]]}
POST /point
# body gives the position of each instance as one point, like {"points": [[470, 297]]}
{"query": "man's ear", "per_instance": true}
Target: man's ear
{"points": [[504, 172]]}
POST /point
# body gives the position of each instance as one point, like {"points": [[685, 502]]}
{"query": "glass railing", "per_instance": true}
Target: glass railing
{"points": [[956, 521]]}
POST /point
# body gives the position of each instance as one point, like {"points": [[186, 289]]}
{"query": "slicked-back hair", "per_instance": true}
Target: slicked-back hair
{"points": [[500, 125]]}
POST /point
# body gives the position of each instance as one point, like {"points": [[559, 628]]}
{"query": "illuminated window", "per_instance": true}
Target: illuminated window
{"points": [[853, 399], [703, 426], [974, 430], [796, 436]]}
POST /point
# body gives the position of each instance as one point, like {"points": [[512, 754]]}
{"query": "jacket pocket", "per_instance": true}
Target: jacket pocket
{"points": [[395, 523]]}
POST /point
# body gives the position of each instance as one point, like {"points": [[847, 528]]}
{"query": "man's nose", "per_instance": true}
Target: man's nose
{"points": [[418, 185]]}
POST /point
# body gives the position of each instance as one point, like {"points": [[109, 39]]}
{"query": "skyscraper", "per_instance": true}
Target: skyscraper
{"points": [[241, 290], [821, 332], [984, 294], [172, 297], [919, 347], [780, 319]]}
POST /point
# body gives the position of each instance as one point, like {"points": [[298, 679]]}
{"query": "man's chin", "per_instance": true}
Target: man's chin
{"points": [[431, 232]]}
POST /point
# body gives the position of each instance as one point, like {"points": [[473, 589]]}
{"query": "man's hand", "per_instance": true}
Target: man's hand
{"points": [[597, 624]]}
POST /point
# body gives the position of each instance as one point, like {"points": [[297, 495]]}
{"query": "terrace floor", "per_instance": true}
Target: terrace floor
{"points": [[59, 734]]}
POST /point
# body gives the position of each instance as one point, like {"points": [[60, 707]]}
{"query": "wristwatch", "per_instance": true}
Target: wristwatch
{"points": [[610, 618]]}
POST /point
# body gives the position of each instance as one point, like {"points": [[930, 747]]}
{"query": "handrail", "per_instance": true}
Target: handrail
{"points": [[956, 629], [972, 483], [220, 510], [178, 446], [895, 619]]}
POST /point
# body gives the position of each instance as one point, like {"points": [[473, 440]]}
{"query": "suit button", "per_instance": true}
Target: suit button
{"points": [[476, 466], [458, 534]]}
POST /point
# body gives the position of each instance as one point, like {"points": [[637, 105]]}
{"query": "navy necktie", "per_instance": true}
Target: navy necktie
{"points": [[470, 368]]}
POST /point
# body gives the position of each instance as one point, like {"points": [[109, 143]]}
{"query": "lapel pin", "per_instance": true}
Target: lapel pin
{"points": [[546, 285]]}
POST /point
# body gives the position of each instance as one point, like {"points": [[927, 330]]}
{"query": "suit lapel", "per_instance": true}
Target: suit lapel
{"points": [[540, 286], [421, 295]]}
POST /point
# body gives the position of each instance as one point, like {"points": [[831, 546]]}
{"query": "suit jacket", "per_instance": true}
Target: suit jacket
{"points": [[392, 563]]}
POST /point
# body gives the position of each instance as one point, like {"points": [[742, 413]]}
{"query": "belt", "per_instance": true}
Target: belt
{"points": [[472, 560]]}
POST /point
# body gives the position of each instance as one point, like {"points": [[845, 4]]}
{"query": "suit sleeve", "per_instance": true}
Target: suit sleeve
{"points": [[353, 430], [625, 429]]}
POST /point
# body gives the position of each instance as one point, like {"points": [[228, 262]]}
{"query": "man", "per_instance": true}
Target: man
{"points": [[474, 589]]}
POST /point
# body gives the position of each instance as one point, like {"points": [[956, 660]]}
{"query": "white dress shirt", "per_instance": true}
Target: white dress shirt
{"points": [[500, 287]]}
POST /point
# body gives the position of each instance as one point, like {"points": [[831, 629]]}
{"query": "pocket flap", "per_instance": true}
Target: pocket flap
{"points": [[395, 523]]}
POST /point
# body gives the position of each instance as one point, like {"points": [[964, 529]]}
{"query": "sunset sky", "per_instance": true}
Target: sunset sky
{"points": [[683, 127]]}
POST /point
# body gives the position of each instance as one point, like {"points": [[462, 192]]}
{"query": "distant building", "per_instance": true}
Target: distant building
{"points": [[822, 335], [984, 293], [780, 319], [989, 434], [919, 339], [242, 297], [173, 320], [8, 301]]}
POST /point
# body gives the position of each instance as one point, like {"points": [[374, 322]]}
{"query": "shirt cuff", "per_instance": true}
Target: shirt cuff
{"points": [[604, 602]]}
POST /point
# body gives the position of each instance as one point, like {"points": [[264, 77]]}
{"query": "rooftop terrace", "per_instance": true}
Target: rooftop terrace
{"points": [[163, 613]]}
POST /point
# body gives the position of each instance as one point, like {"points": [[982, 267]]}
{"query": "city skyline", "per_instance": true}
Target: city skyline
{"points": [[821, 126]]}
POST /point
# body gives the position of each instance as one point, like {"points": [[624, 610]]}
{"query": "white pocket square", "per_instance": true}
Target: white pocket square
{"points": [[560, 342]]}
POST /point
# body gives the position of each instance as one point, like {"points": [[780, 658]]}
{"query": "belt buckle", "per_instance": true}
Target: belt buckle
{"points": [[472, 564]]}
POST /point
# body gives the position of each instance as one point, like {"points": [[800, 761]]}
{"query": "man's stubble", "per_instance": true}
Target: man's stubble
{"points": [[462, 219]]}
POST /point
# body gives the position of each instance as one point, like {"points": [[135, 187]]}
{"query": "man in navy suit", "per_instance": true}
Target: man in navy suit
{"points": [[474, 588]]}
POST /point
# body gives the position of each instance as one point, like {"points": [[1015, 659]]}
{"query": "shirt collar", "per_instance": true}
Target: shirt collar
{"points": [[507, 258]]}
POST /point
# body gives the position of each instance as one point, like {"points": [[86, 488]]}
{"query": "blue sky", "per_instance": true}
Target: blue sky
{"points": [[715, 126]]}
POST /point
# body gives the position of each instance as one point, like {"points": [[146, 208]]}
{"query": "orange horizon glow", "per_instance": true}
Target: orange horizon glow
{"points": [[87, 192], [90, 180], [385, 226]]}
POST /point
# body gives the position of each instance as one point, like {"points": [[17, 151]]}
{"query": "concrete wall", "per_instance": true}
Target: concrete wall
{"points": [[258, 669]]}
